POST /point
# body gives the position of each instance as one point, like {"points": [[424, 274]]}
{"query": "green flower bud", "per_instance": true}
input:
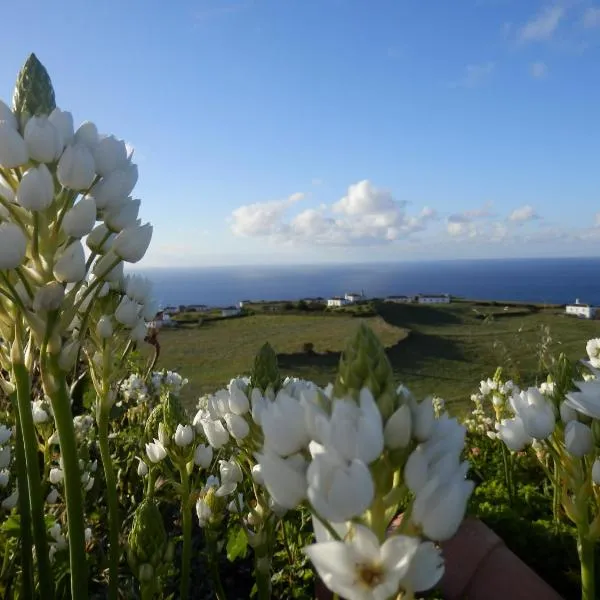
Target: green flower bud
{"points": [[33, 94], [266, 373], [155, 418], [364, 363], [173, 415], [147, 539]]}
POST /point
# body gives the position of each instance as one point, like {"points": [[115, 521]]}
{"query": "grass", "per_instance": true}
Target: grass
{"points": [[210, 355], [444, 349]]}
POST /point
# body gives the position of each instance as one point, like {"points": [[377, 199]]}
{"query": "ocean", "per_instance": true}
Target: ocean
{"points": [[527, 280]]}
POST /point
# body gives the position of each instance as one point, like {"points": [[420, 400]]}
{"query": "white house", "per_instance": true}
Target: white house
{"points": [[336, 301], [400, 299], [433, 299], [353, 297], [583, 311], [230, 311]]}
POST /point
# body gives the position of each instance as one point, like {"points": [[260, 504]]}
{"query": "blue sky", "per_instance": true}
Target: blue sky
{"points": [[274, 131]]}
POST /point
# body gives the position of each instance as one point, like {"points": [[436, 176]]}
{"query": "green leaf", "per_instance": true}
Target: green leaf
{"points": [[237, 544]]}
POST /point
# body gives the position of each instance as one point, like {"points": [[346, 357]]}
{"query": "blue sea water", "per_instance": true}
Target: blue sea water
{"points": [[530, 280]]}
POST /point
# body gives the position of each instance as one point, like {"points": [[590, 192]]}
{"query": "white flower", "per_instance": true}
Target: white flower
{"points": [[88, 535], [184, 435], [361, 568], [5, 457], [87, 134], [55, 476], [535, 411], [259, 404], [104, 328], [397, 430], [578, 439], [567, 413], [7, 115], [131, 243], [43, 140], [547, 388], [512, 433], [13, 246], [139, 331], [416, 470], [257, 474], [75, 169], [122, 216], [112, 191], [10, 502], [4, 478], [109, 153], [142, 468], [155, 451], [68, 355], [587, 400], [337, 489], [13, 150], [284, 478], [127, 312], [36, 189], [138, 288], [204, 512], [231, 475], [52, 496], [596, 471], [440, 505], [422, 418], [426, 568], [238, 401], [203, 456], [497, 401], [70, 263], [283, 425], [215, 432], [100, 238], [593, 351], [63, 121], [354, 430], [5, 434], [237, 425], [234, 505], [39, 414], [49, 296]]}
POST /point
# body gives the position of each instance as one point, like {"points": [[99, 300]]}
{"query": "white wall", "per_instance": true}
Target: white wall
{"points": [[431, 300], [581, 311]]}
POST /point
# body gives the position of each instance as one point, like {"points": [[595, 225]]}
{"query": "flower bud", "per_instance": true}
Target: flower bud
{"points": [[567, 413], [109, 154], [68, 355], [150, 309], [49, 297], [100, 239], [139, 332], [131, 243], [142, 469], [397, 430], [112, 191], [76, 168], [79, 220], [63, 121], [578, 439], [104, 328], [52, 496], [7, 115], [155, 451], [36, 189], [127, 312], [203, 456], [265, 373], [44, 142], [109, 268], [147, 539], [87, 134], [122, 216], [138, 288], [70, 264], [13, 150], [34, 94], [13, 245], [10, 502], [183, 436]]}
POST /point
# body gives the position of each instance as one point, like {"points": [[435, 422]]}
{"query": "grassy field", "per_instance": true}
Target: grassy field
{"points": [[444, 350]]}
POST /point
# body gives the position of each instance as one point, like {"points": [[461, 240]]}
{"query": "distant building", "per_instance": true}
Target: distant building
{"points": [[583, 311], [230, 311], [336, 301], [196, 308], [433, 298], [353, 297], [400, 299]]}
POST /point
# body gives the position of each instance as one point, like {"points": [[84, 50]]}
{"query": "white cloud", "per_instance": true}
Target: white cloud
{"points": [[262, 218], [538, 70], [475, 75], [591, 17], [366, 215], [543, 25], [523, 214]]}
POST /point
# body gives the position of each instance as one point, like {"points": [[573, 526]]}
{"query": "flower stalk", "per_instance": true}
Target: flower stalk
{"points": [[585, 550], [186, 523]]}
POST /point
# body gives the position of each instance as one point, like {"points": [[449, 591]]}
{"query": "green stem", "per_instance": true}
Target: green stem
{"points": [[213, 563], [111, 499], [507, 477], [556, 495], [56, 388], [262, 575], [147, 591], [27, 585], [36, 500], [186, 518], [585, 549]]}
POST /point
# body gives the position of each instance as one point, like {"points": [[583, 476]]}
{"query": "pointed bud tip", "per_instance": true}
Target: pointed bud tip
{"points": [[33, 94]]}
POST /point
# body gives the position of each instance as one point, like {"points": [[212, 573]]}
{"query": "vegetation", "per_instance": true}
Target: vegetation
{"points": [[445, 349]]}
